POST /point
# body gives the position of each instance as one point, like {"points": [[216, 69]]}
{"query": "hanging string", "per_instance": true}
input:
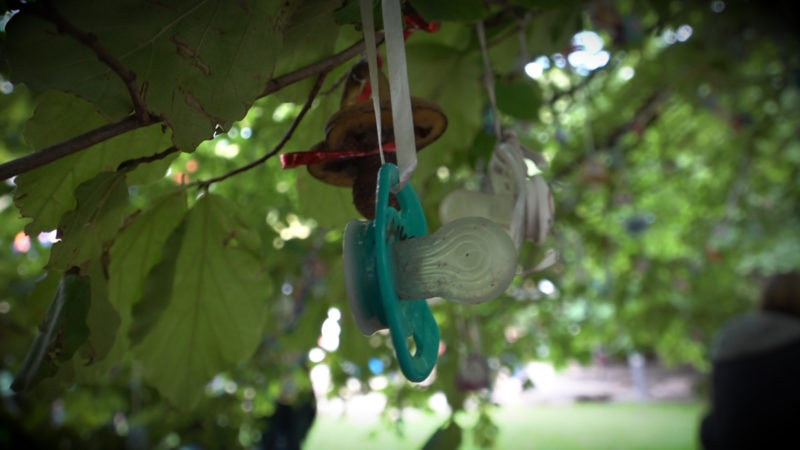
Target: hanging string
{"points": [[588, 137], [523, 38], [368, 25], [488, 80]]}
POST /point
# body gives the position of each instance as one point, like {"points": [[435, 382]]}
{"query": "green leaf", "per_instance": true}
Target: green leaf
{"points": [[86, 231], [449, 77], [61, 332], [139, 246], [553, 29], [310, 38], [216, 308], [485, 430], [151, 171], [39, 298], [349, 13], [519, 98], [548, 4], [102, 319], [330, 206], [312, 128], [453, 10], [482, 148], [46, 193], [94, 359], [198, 65], [135, 250], [504, 51], [152, 298]]}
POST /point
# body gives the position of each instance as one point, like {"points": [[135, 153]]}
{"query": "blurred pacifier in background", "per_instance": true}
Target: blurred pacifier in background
{"points": [[473, 373], [511, 197]]}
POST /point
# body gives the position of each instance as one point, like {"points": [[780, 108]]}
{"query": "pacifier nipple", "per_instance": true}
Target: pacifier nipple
{"points": [[470, 260]]}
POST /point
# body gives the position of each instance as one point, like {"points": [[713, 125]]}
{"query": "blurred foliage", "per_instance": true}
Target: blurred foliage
{"points": [[674, 169]]}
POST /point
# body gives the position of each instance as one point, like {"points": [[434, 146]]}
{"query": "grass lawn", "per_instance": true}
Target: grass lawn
{"points": [[651, 426]]}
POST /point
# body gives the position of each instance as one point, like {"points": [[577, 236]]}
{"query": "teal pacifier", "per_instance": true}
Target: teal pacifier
{"points": [[391, 268]]}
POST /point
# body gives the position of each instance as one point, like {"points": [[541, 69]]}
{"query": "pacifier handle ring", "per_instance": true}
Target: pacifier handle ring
{"points": [[411, 317]]}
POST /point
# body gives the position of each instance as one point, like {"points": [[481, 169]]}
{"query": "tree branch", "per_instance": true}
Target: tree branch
{"points": [[48, 12], [132, 163], [311, 96], [68, 147], [78, 143], [643, 117], [319, 67]]}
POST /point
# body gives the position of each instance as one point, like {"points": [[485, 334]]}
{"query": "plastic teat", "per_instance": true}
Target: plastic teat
{"points": [[470, 260]]}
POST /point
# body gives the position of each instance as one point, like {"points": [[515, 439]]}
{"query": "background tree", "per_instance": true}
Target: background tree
{"points": [[161, 272]]}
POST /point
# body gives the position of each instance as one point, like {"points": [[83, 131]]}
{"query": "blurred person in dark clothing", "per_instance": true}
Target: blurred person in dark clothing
{"points": [[288, 426], [755, 379]]}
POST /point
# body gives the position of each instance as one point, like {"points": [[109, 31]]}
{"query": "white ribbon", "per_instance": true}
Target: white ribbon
{"points": [[402, 115], [368, 26]]}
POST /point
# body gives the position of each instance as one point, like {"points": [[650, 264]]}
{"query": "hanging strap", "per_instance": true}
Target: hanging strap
{"points": [[402, 116]]}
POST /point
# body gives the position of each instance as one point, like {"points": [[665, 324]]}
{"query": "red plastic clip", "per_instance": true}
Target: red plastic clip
{"points": [[292, 160], [415, 22]]}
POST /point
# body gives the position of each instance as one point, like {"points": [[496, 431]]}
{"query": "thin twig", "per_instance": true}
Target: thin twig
{"points": [[577, 86], [488, 79], [522, 26], [322, 66], [68, 147], [132, 163], [311, 96], [335, 85], [644, 116], [48, 12]]}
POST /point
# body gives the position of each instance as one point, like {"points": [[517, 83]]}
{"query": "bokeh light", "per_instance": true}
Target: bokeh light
{"points": [[22, 243]]}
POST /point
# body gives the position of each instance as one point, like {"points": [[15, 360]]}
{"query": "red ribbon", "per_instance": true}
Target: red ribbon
{"points": [[415, 22], [365, 94], [292, 160]]}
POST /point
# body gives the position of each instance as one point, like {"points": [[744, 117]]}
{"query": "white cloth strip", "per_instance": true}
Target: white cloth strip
{"points": [[402, 115], [368, 25]]}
